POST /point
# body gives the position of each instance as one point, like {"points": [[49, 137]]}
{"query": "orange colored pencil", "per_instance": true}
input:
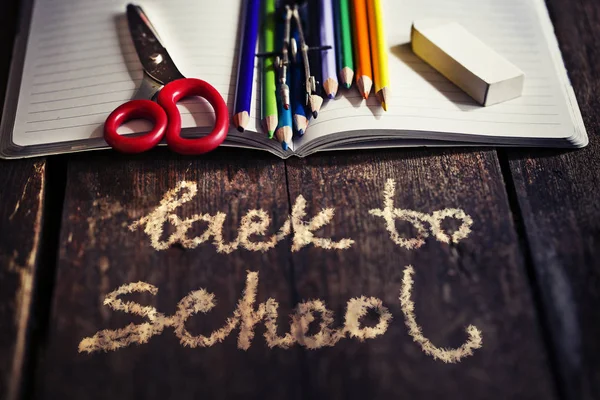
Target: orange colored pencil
{"points": [[362, 49]]}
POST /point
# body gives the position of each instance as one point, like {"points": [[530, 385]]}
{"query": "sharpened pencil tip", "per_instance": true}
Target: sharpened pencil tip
{"points": [[315, 114], [346, 77], [382, 96], [364, 84], [286, 106], [240, 120], [284, 146], [271, 134], [331, 87], [300, 132]]}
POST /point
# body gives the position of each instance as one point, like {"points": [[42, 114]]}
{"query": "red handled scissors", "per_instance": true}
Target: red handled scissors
{"points": [[162, 76]]}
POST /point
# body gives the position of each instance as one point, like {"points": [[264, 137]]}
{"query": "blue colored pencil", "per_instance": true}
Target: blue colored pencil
{"points": [[298, 93], [245, 77]]}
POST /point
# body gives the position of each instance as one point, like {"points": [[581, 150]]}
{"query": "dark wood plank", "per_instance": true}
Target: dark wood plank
{"points": [[21, 211], [480, 280], [558, 194], [99, 253]]}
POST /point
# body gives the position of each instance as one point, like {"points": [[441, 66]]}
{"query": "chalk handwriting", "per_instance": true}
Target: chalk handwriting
{"points": [[418, 220], [415, 331], [255, 222], [247, 315]]}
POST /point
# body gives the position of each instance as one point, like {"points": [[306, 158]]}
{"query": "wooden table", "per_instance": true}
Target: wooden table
{"points": [[528, 275]]}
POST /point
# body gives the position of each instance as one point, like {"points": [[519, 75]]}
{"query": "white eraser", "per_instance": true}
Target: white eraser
{"points": [[466, 61]]}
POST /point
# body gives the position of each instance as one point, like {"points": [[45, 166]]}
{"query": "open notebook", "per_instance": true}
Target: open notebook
{"points": [[74, 62]]}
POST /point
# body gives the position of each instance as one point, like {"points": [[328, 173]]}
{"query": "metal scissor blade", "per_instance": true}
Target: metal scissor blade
{"points": [[152, 54]]}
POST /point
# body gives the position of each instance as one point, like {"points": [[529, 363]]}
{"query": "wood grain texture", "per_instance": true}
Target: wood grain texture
{"points": [[98, 253], [479, 281], [21, 211], [558, 195]]}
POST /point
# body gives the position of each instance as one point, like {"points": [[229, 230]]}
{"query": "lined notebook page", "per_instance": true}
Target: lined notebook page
{"points": [[424, 101], [81, 64]]}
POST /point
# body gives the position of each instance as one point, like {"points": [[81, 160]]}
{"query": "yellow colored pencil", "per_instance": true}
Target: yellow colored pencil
{"points": [[379, 55]]}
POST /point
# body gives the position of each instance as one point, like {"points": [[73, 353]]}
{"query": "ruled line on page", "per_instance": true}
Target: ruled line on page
{"points": [[80, 33], [88, 16], [84, 49], [74, 79], [60, 127], [420, 116], [128, 53], [87, 86], [453, 114], [80, 106], [84, 68], [81, 59], [61, 44]]}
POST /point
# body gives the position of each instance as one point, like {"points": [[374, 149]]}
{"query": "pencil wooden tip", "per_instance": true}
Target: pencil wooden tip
{"points": [[270, 122], [240, 120], [301, 122], [364, 84], [331, 87], [383, 96], [316, 103], [284, 136], [346, 77]]}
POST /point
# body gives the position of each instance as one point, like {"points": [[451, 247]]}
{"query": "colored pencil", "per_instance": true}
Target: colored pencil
{"points": [[311, 18], [379, 51], [245, 77], [268, 97], [298, 93], [344, 43], [362, 49], [284, 131], [330, 82]]}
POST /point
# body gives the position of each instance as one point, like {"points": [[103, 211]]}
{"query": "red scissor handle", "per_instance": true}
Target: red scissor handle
{"points": [[180, 88], [133, 109]]}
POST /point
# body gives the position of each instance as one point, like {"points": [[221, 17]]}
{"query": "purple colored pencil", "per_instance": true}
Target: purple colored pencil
{"points": [[245, 77], [330, 81]]}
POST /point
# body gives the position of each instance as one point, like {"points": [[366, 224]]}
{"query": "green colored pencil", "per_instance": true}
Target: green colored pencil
{"points": [[346, 61], [269, 99]]}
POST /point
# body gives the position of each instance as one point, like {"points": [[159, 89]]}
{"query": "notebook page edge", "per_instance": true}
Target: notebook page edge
{"points": [[15, 75]]}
